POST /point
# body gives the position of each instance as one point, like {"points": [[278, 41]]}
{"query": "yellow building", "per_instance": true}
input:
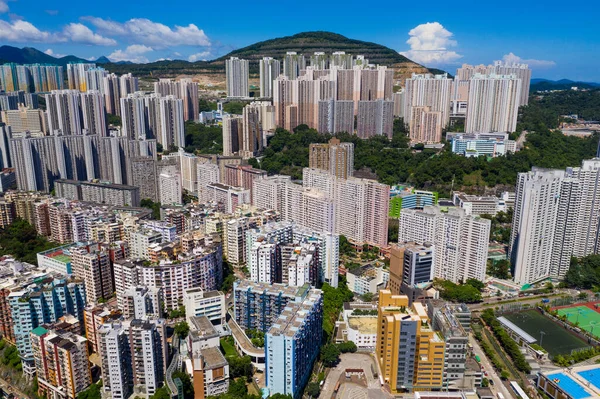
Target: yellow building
{"points": [[409, 351]]}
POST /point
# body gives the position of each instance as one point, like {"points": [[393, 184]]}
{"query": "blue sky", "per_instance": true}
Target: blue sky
{"points": [[557, 42]]}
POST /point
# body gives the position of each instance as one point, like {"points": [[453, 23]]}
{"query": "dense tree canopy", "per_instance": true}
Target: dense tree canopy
{"points": [[584, 272], [469, 292], [203, 138], [393, 162], [20, 239]]}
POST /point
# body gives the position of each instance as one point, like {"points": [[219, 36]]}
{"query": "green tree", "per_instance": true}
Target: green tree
{"points": [[188, 386], [20, 239], [161, 393], [114, 120], [154, 206], [238, 388], [330, 355], [93, 392], [313, 389], [182, 329], [505, 375], [347, 347]]}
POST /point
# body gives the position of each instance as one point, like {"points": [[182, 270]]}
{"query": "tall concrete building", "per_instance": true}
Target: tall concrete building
{"points": [[493, 103], [270, 69], [433, 91], [251, 143], [76, 75], [335, 157], [127, 84], [409, 351], [94, 113], [185, 90], [336, 116], [425, 125], [554, 220], [207, 173], [375, 118], [64, 112], [291, 345], [37, 304], [293, 64], [233, 130], [111, 93], [172, 131], [94, 267], [62, 363], [134, 354], [521, 71], [144, 176], [461, 241], [236, 71]]}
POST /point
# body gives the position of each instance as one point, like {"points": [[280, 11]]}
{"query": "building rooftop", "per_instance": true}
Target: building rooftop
{"points": [[202, 328], [213, 358], [364, 324]]}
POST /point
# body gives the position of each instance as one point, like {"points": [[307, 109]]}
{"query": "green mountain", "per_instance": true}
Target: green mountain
{"points": [[302, 43], [30, 55], [310, 42]]}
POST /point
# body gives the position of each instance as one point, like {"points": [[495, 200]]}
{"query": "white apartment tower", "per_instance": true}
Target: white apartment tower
{"points": [[460, 240], [270, 69], [555, 218], [433, 91], [493, 103], [236, 72]]}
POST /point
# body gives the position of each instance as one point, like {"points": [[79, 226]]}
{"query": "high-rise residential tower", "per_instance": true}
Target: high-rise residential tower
{"points": [[236, 71]]}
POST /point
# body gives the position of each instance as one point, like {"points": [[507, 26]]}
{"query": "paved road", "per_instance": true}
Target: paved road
{"points": [[521, 140], [10, 388], [353, 391], [492, 374]]}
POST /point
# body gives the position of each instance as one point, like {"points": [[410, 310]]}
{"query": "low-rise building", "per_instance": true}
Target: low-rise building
{"points": [[367, 278], [210, 373], [211, 304]]}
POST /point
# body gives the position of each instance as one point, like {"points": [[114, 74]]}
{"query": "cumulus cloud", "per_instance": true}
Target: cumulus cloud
{"points": [[199, 56], [515, 59], [429, 44], [150, 33], [20, 31], [3, 7], [134, 53], [80, 33], [53, 54]]}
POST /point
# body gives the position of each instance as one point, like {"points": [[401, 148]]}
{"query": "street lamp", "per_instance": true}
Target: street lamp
{"points": [[542, 333]]}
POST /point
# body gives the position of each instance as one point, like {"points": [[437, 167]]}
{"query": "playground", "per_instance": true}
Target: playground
{"points": [[586, 317]]}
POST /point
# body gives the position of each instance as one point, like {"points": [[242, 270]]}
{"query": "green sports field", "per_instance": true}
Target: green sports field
{"points": [[586, 318]]}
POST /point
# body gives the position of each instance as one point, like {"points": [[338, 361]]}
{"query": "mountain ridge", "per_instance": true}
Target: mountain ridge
{"points": [[304, 43]]}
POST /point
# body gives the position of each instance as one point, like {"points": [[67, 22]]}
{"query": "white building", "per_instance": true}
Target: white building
{"points": [[211, 304], [493, 103], [461, 241], [236, 72], [270, 69], [433, 91], [206, 173], [367, 278], [169, 188], [554, 220]]}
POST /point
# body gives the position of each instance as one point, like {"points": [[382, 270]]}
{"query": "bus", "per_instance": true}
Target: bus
{"points": [[518, 390], [500, 396]]}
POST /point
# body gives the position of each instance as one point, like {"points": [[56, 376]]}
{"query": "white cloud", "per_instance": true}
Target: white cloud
{"points": [[515, 59], [199, 56], [22, 31], [53, 54], [155, 34], [134, 53], [3, 7], [52, 12], [429, 44], [80, 33]]}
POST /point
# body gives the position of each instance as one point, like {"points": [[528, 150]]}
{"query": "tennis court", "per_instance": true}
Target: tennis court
{"points": [[584, 317]]}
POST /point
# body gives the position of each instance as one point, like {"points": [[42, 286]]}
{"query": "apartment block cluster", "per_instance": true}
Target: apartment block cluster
{"points": [[485, 98], [554, 220], [333, 94], [72, 139], [423, 347], [292, 320]]}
